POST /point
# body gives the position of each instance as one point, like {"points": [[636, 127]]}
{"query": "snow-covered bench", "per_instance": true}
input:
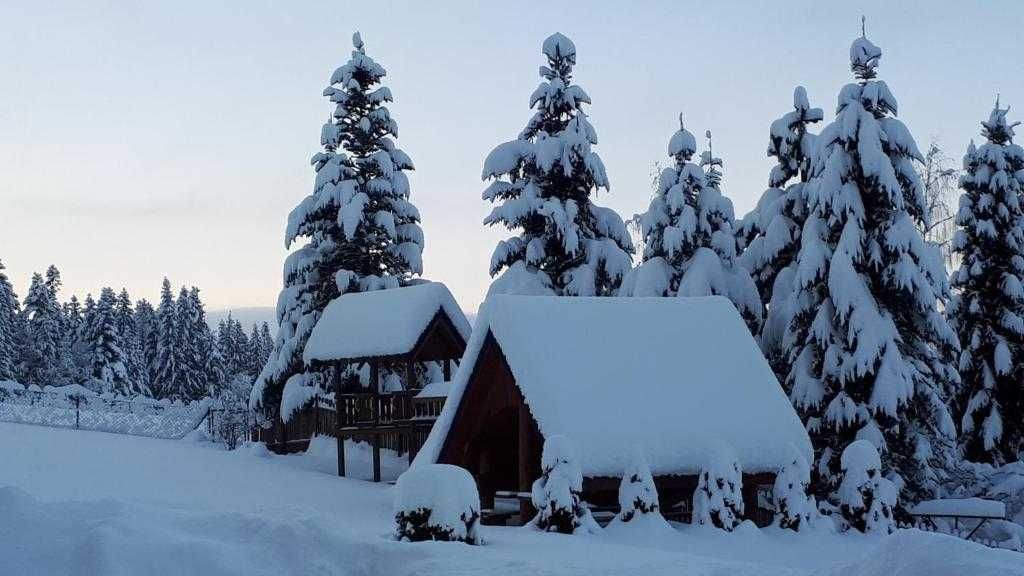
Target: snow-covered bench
{"points": [[958, 509]]}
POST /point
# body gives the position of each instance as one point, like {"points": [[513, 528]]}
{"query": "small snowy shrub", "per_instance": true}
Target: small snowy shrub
{"points": [[637, 493], [866, 499], [556, 494], [437, 502], [718, 500], [793, 508]]}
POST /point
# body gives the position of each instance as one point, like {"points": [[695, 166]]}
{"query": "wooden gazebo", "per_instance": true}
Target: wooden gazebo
{"points": [[377, 346], [674, 377]]}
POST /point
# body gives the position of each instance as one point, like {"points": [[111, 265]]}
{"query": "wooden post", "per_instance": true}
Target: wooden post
{"points": [[339, 437], [409, 375], [376, 456], [375, 407], [447, 369], [341, 453], [526, 510]]}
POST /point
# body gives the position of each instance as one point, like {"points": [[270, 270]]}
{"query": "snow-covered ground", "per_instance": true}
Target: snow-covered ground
{"points": [[90, 503]]}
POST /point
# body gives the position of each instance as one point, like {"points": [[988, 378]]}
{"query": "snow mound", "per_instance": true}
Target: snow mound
{"points": [[381, 322], [914, 553], [437, 502]]}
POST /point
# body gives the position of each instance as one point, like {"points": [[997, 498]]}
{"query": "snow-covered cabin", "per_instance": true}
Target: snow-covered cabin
{"points": [[675, 377], [392, 337]]}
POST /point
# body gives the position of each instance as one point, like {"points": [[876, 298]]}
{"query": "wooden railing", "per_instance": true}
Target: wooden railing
{"points": [[367, 410]]}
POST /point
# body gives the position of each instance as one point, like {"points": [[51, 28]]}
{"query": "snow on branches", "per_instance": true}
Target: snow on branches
{"points": [[542, 184], [866, 498]]}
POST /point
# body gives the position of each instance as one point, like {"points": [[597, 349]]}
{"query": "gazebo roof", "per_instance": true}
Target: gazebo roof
{"points": [[382, 323], [677, 377]]}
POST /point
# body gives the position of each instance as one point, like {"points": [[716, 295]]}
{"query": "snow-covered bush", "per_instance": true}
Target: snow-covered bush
{"points": [[718, 500], [866, 499], [637, 493], [793, 507], [556, 494], [437, 502]]}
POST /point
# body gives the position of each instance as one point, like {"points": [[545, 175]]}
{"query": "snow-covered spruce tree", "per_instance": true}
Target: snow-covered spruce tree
{"points": [[9, 310], [362, 232], [794, 509], [42, 322], [147, 331], [869, 349], [988, 310], [718, 499], [556, 494], [866, 498], [542, 184], [109, 364], [131, 344], [165, 369], [638, 496], [769, 236], [689, 246]]}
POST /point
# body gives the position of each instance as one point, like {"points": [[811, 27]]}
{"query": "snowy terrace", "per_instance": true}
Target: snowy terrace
{"points": [[85, 503]]}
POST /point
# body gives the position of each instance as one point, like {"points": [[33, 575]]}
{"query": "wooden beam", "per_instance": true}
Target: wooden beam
{"points": [[447, 369], [376, 457]]}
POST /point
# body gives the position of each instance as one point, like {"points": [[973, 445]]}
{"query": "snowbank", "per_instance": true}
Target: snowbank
{"points": [[125, 505], [380, 322]]}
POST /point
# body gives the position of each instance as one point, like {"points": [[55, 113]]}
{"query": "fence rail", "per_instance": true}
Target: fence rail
{"points": [[140, 417]]}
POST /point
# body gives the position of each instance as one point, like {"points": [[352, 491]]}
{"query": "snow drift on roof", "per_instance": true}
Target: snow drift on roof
{"points": [[675, 376], [380, 322]]}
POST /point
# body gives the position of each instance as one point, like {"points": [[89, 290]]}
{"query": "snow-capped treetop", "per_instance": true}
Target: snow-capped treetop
{"points": [[558, 46], [864, 58], [682, 146], [996, 129], [542, 183]]}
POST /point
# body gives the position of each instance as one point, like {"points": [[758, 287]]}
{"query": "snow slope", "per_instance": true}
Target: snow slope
{"points": [[89, 503]]}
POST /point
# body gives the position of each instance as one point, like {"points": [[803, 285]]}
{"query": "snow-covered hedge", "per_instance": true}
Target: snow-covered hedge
{"points": [[718, 500], [866, 499], [556, 494], [437, 502]]}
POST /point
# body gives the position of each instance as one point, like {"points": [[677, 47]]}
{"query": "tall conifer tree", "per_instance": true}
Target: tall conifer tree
{"points": [[361, 231], [542, 184], [869, 348], [988, 311]]}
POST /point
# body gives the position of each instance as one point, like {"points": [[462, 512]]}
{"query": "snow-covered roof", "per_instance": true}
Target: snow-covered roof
{"points": [[676, 376], [380, 322]]}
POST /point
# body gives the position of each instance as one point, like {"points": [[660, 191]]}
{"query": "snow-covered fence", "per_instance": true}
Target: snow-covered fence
{"points": [[78, 407]]}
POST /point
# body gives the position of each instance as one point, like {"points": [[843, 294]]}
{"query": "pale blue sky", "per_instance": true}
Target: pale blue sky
{"points": [[139, 140]]}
